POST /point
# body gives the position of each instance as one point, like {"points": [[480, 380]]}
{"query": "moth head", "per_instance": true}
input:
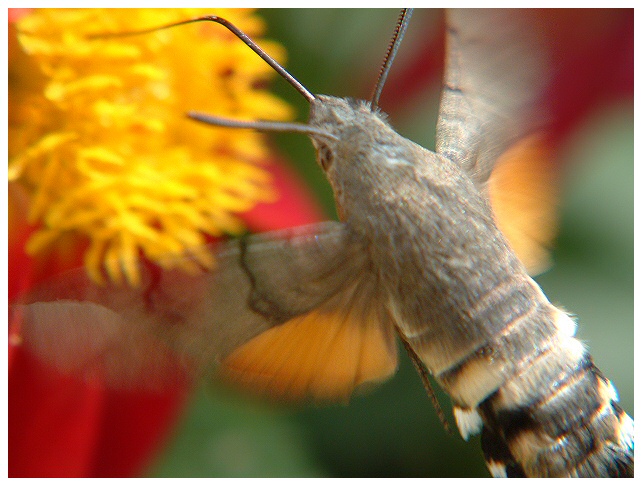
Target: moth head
{"points": [[337, 125], [342, 125]]}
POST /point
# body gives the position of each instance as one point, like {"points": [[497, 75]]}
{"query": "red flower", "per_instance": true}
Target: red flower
{"points": [[60, 426]]}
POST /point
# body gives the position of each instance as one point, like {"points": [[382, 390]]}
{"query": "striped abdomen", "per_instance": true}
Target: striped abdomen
{"points": [[543, 408]]}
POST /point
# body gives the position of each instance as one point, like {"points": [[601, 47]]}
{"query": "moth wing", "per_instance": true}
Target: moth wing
{"points": [[177, 326], [523, 190], [494, 77], [322, 355], [490, 114]]}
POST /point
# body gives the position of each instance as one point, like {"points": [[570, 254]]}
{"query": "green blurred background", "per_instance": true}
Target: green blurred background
{"points": [[394, 430]]}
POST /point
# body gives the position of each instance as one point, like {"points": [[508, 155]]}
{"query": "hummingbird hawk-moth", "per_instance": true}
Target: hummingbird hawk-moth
{"points": [[417, 254]]}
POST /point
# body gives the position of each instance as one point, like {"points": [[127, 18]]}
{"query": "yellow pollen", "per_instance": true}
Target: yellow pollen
{"points": [[99, 138]]}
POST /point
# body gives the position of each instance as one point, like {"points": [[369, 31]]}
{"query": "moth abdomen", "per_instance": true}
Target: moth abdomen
{"points": [[574, 428], [506, 328], [521, 378], [556, 415]]}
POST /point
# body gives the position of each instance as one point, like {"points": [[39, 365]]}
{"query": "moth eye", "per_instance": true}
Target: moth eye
{"points": [[325, 156]]}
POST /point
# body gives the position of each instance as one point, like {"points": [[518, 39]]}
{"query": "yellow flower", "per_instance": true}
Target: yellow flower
{"points": [[99, 138]]}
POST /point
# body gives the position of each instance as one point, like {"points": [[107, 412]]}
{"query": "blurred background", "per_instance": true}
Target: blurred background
{"points": [[394, 430]]}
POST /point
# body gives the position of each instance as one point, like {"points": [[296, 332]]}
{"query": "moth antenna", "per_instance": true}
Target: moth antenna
{"points": [[397, 37], [260, 125], [423, 373], [237, 32]]}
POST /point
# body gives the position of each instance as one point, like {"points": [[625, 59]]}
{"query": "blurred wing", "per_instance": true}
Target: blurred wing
{"points": [[176, 326], [524, 192], [494, 77], [324, 354], [491, 105]]}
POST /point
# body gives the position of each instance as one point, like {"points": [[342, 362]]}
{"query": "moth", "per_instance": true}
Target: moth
{"points": [[417, 255]]}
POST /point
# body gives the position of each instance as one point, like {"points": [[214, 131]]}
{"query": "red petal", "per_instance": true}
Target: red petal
{"points": [[595, 65], [62, 427], [53, 423], [294, 207]]}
